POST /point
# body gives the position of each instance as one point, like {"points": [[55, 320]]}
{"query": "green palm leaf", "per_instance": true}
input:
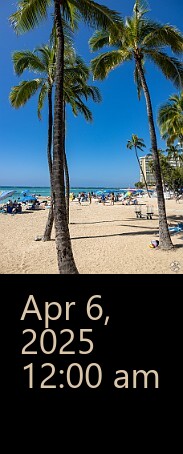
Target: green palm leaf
{"points": [[28, 60], [107, 61], [170, 118], [170, 66], [42, 96], [99, 39], [71, 16], [21, 93], [81, 108], [29, 14], [95, 14], [165, 35]]}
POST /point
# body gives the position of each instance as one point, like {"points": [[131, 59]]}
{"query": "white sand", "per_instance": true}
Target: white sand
{"points": [[105, 239]]}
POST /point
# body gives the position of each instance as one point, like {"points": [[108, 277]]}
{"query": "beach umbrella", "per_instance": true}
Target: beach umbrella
{"points": [[128, 194], [25, 192], [6, 194], [28, 198]]}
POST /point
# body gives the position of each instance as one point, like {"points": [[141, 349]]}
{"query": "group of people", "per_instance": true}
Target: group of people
{"points": [[103, 198], [82, 197], [112, 198], [13, 207]]}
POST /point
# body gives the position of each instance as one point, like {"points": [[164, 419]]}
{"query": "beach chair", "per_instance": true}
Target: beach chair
{"points": [[138, 211], [150, 212]]}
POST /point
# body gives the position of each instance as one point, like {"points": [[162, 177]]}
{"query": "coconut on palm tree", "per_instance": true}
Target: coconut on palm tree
{"points": [[42, 61], [170, 119], [28, 15], [139, 39], [138, 144]]}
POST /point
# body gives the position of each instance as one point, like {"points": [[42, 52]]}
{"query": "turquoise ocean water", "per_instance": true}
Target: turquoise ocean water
{"points": [[45, 191]]}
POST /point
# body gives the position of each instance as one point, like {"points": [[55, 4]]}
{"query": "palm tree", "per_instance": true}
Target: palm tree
{"points": [[175, 152], [170, 119], [28, 15], [76, 87], [138, 144], [141, 38], [42, 60]]}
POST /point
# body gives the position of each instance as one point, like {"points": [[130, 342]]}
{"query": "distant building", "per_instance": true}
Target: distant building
{"points": [[149, 176]]}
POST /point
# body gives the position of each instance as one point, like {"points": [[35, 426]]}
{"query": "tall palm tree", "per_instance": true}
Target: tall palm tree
{"points": [[141, 38], [28, 15], [138, 144], [76, 87], [42, 61], [170, 119]]}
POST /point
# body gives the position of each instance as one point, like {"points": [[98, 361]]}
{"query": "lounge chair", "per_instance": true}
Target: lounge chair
{"points": [[150, 212], [138, 211]]}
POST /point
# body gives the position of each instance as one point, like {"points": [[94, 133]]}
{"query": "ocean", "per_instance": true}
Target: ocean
{"points": [[45, 191]]}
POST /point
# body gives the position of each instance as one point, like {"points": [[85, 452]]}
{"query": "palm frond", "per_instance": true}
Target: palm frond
{"points": [[89, 91], [140, 8], [99, 39], [107, 61], [170, 66], [165, 35], [94, 93], [23, 60], [82, 67], [27, 60], [45, 52], [129, 145], [29, 14], [177, 99], [136, 142], [42, 96], [21, 93], [81, 108], [97, 15], [70, 16]]}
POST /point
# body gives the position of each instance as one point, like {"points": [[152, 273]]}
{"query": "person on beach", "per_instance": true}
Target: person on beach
{"points": [[103, 199], [79, 198], [112, 198], [89, 197]]}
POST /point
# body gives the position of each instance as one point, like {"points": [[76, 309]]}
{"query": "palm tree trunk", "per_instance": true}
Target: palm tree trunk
{"points": [[67, 182], [66, 264], [164, 235], [49, 224], [142, 172]]}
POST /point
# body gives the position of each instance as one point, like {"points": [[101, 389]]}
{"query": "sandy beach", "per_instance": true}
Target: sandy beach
{"points": [[105, 239]]}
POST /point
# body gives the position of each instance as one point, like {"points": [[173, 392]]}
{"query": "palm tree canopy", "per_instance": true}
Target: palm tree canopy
{"points": [[136, 142], [42, 62], [175, 152], [30, 12], [139, 38], [170, 119]]}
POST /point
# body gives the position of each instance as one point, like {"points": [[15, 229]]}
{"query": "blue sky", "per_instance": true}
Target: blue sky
{"points": [[97, 153]]}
